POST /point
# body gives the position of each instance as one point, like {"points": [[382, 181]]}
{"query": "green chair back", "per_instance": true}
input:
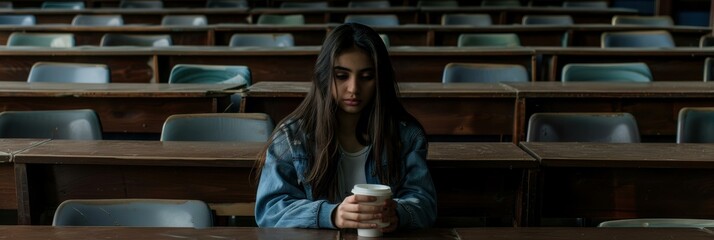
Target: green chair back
{"points": [[223, 127], [6, 5], [195, 73], [488, 40], [82, 124], [98, 20], [22, 20], [261, 40], [709, 69], [484, 73], [311, 5], [606, 72], [54, 40], [295, 19], [118, 39], [369, 4], [133, 213], [501, 3], [184, 20], [69, 73], [466, 19], [226, 4], [547, 20], [583, 127], [706, 41], [63, 5], [437, 3], [655, 21], [695, 125], [141, 4], [373, 19], [659, 223], [586, 4], [643, 39]]}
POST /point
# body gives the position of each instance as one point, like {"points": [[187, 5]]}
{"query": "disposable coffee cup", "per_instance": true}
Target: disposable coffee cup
{"points": [[382, 192]]}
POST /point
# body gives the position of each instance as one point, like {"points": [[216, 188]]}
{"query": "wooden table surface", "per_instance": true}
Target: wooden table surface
{"points": [[582, 233]]}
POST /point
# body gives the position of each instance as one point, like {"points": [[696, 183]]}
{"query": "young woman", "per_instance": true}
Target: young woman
{"points": [[349, 129]]}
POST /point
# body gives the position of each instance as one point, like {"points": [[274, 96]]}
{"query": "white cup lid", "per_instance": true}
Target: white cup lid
{"points": [[372, 190]]}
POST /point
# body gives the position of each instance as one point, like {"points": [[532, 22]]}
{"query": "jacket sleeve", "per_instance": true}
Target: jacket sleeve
{"points": [[281, 200], [416, 196]]}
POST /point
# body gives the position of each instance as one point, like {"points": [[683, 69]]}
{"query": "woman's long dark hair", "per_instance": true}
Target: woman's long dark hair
{"points": [[379, 121]]}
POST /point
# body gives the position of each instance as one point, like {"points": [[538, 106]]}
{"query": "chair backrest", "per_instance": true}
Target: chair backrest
{"points": [[385, 40], [294, 19], [706, 41], [585, 4], [225, 127], [695, 125], [55, 40], [653, 39], [547, 20], [141, 4], [227, 4], [659, 222], [709, 69], [23, 20], [374, 19], [606, 72], [488, 40], [98, 20], [466, 19], [437, 3], [81, 124], [261, 40], [69, 73], [484, 73], [659, 21], [6, 5], [197, 73], [501, 3], [369, 4], [118, 39], [62, 5], [313, 5], [133, 213], [583, 127], [184, 20]]}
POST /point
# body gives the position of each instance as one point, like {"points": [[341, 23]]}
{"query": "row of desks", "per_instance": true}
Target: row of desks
{"points": [[407, 15], [500, 112], [79, 233], [478, 184], [579, 35], [412, 64]]}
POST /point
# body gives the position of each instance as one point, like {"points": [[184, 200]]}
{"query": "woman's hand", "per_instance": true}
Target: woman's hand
{"points": [[389, 215], [351, 214]]}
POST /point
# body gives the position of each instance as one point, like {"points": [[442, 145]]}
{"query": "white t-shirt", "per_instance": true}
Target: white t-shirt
{"points": [[350, 170]]}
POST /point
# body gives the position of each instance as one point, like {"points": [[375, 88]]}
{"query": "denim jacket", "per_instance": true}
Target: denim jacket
{"points": [[284, 199]]}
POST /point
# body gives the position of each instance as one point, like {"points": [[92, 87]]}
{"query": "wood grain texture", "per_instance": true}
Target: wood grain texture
{"points": [[582, 233]]}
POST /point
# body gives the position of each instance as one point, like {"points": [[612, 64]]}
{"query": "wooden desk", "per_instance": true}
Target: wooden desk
{"points": [[582, 233], [513, 15], [673, 64], [466, 110], [406, 15], [598, 181], [8, 193], [424, 234], [134, 16], [655, 105], [122, 108], [78, 233], [589, 35]]}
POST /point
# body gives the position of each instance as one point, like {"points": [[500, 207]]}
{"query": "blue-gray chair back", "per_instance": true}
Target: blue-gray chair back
{"points": [[63, 5], [118, 39], [659, 223], [583, 127], [184, 20], [133, 213], [53, 40], [585, 4], [488, 40], [709, 69], [695, 125], [98, 20], [271, 19], [640, 39], [547, 20], [141, 4], [261, 40], [484, 73], [437, 3], [369, 4], [69, 73], [199, 73], [81, 124], [466, 19], [224, 127], [373, 20], [22, 20], [606, 72], [227, 4], [501, 3], [655, 21], [312, 5]]}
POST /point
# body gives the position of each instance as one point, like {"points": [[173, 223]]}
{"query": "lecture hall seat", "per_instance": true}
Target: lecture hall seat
{"points": [[606, 72], [223, 127], [19, 19], [227, 4], [57, 72], [52, 40], [62, 5], [98, 20], [369, 4], [638, 39], [80, 124], [488, 40], [379, 20], [547, 20], [261, 40], [138, 40], [437, 3], [654, 21], [484, 73], [184, 20], [307, 5], [466, 19], [141, 4], [133, 213], [586, 4], [272, 19], [583, 127], [219, 74], [659, 223], [695, 125]]}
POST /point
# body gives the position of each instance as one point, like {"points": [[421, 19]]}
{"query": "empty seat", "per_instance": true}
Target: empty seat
{"points": [[385, 40], [706, 41], [81, 124], [117, 39], [198, 73], [374, 19], [547, 20], [583, 127], [55, 40], [659, 222], [133, 213], [227, 4], [369, 4], [231, 127], [659, 21], [501, 3], [695, 125], [437, 3], [98, 20], [261, 40], [63, 5], [23, 20], [6, 5], [295, 19], [606, 72], [484, 73], [184, 20], [585, 4], [488, 40], [141, 4], [709, 69], [313, 5], [652, 39], [466, 19], [69, 73]]}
